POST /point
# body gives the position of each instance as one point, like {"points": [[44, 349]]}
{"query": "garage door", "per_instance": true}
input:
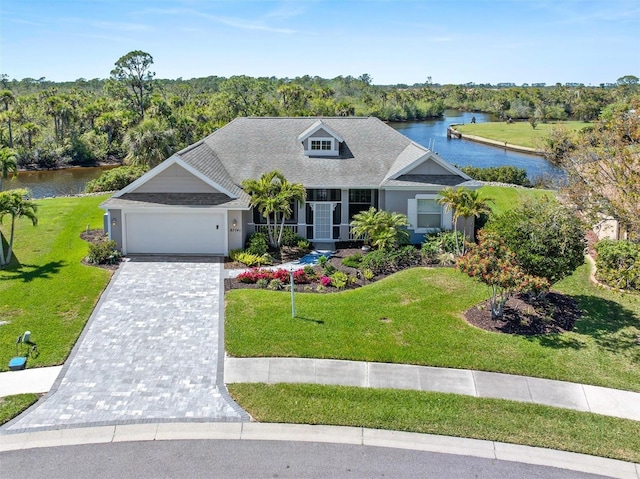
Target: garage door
{"points": [[175, 233]]}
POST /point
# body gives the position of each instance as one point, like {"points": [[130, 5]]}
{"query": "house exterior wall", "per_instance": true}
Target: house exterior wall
{"points": [[115, 231], [175, 179], [398, 201], [429, 167], [236, 233]]}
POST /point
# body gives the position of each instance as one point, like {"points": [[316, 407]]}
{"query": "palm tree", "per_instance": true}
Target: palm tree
{"points": [[6, 98], [364, 224], [273, 195], [17, 204], [473, 205], [383, 229], [149, 144], [8, 164], [463, 203], [452, 200], [30, 130]]}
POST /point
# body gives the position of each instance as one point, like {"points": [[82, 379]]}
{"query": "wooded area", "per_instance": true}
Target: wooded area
{"points": [[134, 117]]}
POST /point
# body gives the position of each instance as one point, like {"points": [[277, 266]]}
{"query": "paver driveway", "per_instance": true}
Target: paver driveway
{"points": [[152, 351]]}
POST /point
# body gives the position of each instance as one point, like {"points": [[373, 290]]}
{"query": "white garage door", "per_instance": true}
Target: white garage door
{"points": [[175, 233]]}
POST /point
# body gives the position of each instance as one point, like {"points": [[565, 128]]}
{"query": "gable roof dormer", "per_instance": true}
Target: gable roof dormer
{"points": [[320, 140]]}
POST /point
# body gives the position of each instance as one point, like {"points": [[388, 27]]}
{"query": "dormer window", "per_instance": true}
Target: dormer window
{"points": [[320, 140], [321, 144]]}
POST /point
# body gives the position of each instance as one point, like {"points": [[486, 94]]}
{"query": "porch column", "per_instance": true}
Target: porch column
{"points": [[302, 221], [344, 215]]}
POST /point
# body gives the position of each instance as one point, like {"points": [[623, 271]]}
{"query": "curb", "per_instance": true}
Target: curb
{"points": [[323, 434]]}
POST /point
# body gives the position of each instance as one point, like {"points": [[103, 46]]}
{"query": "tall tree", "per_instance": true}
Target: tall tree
{"points": [[149, 144], [546, 237], [8, 164], [16, 204], [7, 98], [274, 196], [132, 80], [603, 169]]}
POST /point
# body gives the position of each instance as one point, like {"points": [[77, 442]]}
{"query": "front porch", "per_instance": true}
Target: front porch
{"points": [[324, 219]]}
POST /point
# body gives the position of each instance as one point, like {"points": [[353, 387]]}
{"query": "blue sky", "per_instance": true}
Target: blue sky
{"points": [[394, 41]]}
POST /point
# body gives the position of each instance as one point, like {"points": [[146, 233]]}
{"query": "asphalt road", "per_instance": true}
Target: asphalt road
{"points": [[257, 459]]}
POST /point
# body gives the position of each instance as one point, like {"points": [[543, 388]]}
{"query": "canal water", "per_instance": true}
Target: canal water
{"points": [[62, 182], [431, 134]]}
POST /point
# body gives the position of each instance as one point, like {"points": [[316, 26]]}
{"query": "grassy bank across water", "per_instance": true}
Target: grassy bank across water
{"points": [[519, 133]]}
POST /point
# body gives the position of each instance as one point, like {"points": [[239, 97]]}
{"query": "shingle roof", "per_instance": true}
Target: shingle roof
{"points": [[432, 180], [174, 199], [248, 147]]}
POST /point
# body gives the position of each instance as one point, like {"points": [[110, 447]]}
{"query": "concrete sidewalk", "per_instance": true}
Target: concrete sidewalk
{"points": [[580, 397], [37, 380]]}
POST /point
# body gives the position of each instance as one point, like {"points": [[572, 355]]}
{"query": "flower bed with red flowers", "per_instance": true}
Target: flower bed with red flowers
{"points": [[254, 275]]}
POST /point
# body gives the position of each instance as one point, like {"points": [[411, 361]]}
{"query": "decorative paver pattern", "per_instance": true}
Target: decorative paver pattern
{"points": [[149, 353]]}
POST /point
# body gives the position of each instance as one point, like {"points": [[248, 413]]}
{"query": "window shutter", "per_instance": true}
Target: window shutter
{"points": [[447, 218], [412, 213]]}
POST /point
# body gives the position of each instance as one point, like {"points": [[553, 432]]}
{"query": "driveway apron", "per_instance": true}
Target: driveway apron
{"points": [[151, 352]]}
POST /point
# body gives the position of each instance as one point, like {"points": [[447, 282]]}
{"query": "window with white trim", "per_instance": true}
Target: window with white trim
{"points": [[321, 145], [426, 215], [429, 214]]}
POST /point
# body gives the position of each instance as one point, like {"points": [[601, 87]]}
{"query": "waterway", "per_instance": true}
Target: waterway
{"points": [[431, 134]]}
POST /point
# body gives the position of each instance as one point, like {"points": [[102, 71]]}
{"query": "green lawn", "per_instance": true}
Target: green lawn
{"points": [[46, 289], [505, 198], [445, 414], [414, 317], [11, 406], [519, 133]]}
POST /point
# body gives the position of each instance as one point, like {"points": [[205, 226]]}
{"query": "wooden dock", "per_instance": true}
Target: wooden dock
{"points": [[451, 133]]}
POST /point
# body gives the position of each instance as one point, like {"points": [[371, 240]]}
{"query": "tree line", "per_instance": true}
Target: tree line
{"points": [[131, 116]]}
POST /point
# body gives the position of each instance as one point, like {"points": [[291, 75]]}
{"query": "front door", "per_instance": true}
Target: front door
{"points": [[322, 221]]}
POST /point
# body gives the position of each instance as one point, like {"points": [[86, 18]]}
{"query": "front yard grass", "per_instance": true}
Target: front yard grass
{"points": [[518, 133], [415, 317], [445, 414], [11, 406], [46, 289]]}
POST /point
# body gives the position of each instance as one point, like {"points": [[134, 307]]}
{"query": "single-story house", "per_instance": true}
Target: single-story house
{"points": [[192, 202]]}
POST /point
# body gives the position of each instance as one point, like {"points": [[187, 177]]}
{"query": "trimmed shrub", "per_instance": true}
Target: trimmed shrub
{"points": [[353, 261], [386, 261], [291, 238], [115, 179], [618, 264], [257, 244], [104, 252]]}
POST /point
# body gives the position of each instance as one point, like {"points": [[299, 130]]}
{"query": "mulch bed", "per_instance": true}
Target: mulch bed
{"points": [[97, 236], [335, 260], [556, 313]]}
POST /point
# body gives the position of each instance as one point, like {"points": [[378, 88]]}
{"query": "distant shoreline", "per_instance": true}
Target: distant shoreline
{"points": [[498, 144]]}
